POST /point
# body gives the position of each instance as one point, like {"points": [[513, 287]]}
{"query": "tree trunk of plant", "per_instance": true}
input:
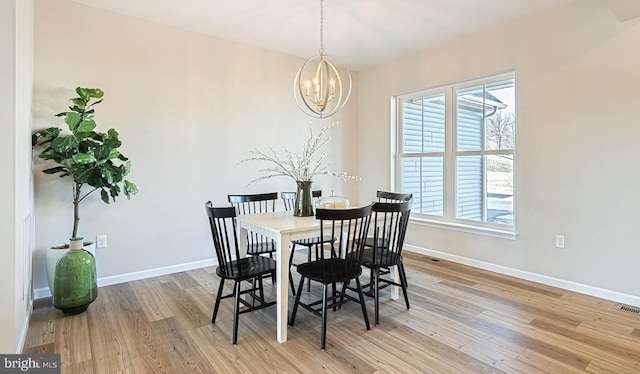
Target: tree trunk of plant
{"points": [[76, 209]]}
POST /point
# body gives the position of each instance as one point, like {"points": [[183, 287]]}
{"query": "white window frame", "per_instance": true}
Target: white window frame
{"points": [[448, 219]]}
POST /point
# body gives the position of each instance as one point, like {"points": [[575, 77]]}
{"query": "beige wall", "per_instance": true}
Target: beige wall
{"points": [[16, 191], [187, 108], [578, 125]]}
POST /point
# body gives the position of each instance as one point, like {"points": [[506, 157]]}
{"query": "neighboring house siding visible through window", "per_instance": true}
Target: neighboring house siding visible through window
{"points": [[423, 141], [455, 151]]}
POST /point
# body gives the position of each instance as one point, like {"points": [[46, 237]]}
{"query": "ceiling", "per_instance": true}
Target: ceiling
{"points": [[361, 33]]}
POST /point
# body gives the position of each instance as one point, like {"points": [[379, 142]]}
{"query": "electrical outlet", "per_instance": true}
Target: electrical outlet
{"points": [[559, 241], [101, 241]]}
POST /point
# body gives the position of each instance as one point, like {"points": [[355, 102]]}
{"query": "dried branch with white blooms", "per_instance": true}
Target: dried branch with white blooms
{"points": [[299, 167]]}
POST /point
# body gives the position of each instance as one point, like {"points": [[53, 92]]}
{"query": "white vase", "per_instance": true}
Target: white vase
{"points": [[54, 253]]}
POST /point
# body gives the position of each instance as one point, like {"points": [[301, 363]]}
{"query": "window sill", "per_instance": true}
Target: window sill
{"points": [[480, 230]]}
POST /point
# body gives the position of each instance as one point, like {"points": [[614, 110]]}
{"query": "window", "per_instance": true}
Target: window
{"points": [[455, 151]]}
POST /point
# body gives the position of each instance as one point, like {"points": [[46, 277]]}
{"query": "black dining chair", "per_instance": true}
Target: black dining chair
{"points": [[257, 244], [232, 267], [340, 266], [288, 200], [385, 197], [390, 221], [388, 197]]}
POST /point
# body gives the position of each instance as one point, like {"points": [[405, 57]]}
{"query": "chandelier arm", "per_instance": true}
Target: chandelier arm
{"points": [[331, 67], [297, 83]]}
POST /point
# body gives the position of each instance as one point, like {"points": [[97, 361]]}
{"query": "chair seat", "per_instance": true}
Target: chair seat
{"points": [[330, 270], [370, 241], [383, 257], [247, 268], [260, 248], [308, 242]]}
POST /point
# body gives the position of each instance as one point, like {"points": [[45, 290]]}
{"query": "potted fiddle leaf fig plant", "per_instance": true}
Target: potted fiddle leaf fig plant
{"points": [[93, 162]]}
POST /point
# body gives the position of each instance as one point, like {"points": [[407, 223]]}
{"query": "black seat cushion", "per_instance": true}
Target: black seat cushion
{"points": [[330, 270], [246, 268]]}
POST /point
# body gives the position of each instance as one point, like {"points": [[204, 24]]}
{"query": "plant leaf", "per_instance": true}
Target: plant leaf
{"points": [[115, 191], [86, 126], [83, 93], [83, 175], [84, 158], [102, 152], [114, 153], [130, 188], [64, 144], [67, 163], [95, 93], [107, 175], [105, 196], [54, 170], [72, 119]]}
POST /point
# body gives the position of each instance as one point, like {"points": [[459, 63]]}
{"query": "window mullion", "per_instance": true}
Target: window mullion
{"points": [[449, 174], [496, 152]]}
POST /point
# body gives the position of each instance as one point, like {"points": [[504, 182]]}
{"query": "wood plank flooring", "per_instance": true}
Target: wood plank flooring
{"points": [[462, 320]]}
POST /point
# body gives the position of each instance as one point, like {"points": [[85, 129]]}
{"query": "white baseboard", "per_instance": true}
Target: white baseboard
{"points": [[539, 278], [128, 277], [534, 277], [23, 333]]}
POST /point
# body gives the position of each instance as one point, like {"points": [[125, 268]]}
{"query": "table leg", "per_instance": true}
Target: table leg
{"points": [[242, 235], [395, 276], [282, 287]]}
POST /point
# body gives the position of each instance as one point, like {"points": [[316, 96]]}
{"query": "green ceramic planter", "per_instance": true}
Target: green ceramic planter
{"points": [[75, 285], [304, 204]]}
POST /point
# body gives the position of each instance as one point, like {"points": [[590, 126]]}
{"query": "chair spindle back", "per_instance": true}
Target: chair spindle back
{"points": [[391, 221], [350, 227], [223, 230]]}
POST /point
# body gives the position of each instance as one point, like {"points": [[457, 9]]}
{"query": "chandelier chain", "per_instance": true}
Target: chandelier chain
{"points": [[321, 51]]}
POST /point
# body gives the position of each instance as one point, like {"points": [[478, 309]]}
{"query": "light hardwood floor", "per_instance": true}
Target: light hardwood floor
{"points": [[462, 320]]}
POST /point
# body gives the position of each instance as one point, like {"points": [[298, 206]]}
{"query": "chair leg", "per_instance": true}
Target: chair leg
{"points": [[371, 275], [253, 287], [236, 312], [297, 302], [376, 293], [403, 282], [260, 288], [292, 247], [218, 297], [309, 260], [333, 294], [402, 273], [344, 290], [291, 284], [364, 307], [323, 336]]}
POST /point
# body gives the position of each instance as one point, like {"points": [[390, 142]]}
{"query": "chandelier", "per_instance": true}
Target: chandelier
{"points": [[319, 88]]}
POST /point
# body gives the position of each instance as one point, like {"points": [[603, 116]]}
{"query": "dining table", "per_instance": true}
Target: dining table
{"points": [[283, 227]]}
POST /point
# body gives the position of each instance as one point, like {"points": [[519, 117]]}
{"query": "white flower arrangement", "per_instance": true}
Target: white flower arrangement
{"points": [[299, 167]]}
